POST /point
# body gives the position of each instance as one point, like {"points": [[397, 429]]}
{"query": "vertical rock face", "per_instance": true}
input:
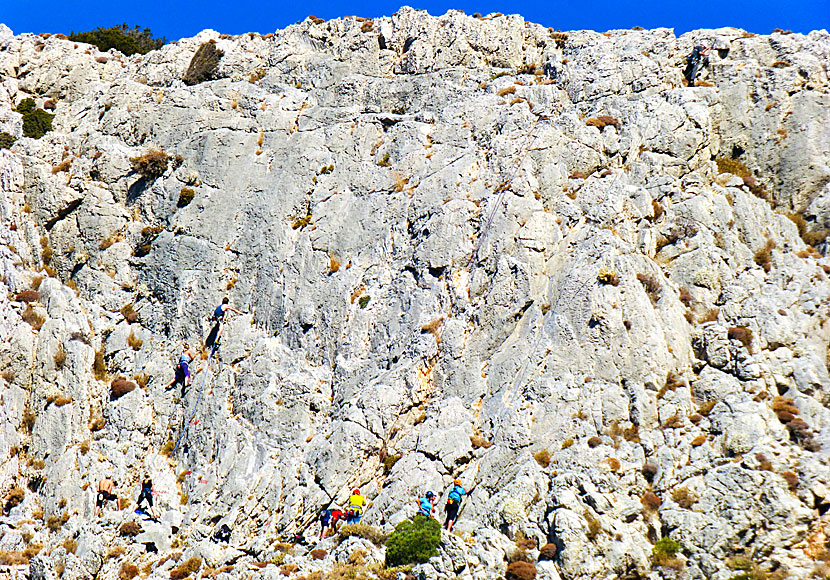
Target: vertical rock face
{"points": [[462, 247]]}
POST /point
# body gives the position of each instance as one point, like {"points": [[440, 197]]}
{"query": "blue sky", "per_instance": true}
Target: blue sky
{"points": [[185, 18]]}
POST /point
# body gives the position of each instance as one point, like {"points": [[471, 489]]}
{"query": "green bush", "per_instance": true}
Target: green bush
{"points": [[413, 541], [664, 551], [36, 122], [122, 38], [6, 140], [203, 65]]}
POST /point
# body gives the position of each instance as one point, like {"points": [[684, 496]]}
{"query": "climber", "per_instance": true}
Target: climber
{"points": [[425, 505], [328, 521], [454, 504], [355, 509], [146, 494], [698, 58], [218, 318], [105, 494], [183, 369]]}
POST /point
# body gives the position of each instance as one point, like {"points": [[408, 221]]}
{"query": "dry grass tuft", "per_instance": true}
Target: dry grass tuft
{"points": [[62, 166], [520, 571], [14, 498], [134, 342], [129, 529], [151, 165], [763, 257], [121, 387], [603, 121], [684, 497], [742, 334], [31, 317], [651, 501], [507, 91], [185, 569], [128, 571], [28, 296], [400, 182], [651, 286], [608, 276], [99, 366], [542, 457], [59, 358]]}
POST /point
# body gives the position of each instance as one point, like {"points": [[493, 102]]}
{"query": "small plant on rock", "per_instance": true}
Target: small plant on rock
{"points": [[128, 571], [14, 498], [204, 64], [664, 553], [36, 122], [122, 38], [603, 121], [129, 529], [548, 552], [651, 286], [763, 257], [651, 501], [28, 296], [186, 195], [121, 387], [134, 342], [34, 319], [608, 276], [6, 140], [542, 457], [151, 165], [520, 571], [742, 334], [185, 569]]}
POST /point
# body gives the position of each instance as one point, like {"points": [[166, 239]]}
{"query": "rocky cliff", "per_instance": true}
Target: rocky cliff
{"points": [[463, 247]]}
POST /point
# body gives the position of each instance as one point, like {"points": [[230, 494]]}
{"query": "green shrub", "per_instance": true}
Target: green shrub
{"points": [[664, 551], [364, 301], [36, 122], [6, 140], [122, 38], [413, 541], [203, 65]]}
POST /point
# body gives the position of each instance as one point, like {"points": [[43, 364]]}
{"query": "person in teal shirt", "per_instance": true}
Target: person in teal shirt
{"points": [[454, 504], [426, 506]]}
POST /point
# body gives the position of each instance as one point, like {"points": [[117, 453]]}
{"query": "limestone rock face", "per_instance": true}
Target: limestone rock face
{"points": [[461, 247]]}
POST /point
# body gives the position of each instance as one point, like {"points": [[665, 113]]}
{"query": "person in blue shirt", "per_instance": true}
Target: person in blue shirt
{"points": [[425, 505], [219, 317], [454, 504]]}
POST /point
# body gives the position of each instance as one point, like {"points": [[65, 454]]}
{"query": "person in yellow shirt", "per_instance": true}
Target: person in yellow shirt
{"points": [[355, 508]]}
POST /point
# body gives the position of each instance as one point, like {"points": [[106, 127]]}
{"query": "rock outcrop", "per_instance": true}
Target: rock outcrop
{"points": [[462, 247]]}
